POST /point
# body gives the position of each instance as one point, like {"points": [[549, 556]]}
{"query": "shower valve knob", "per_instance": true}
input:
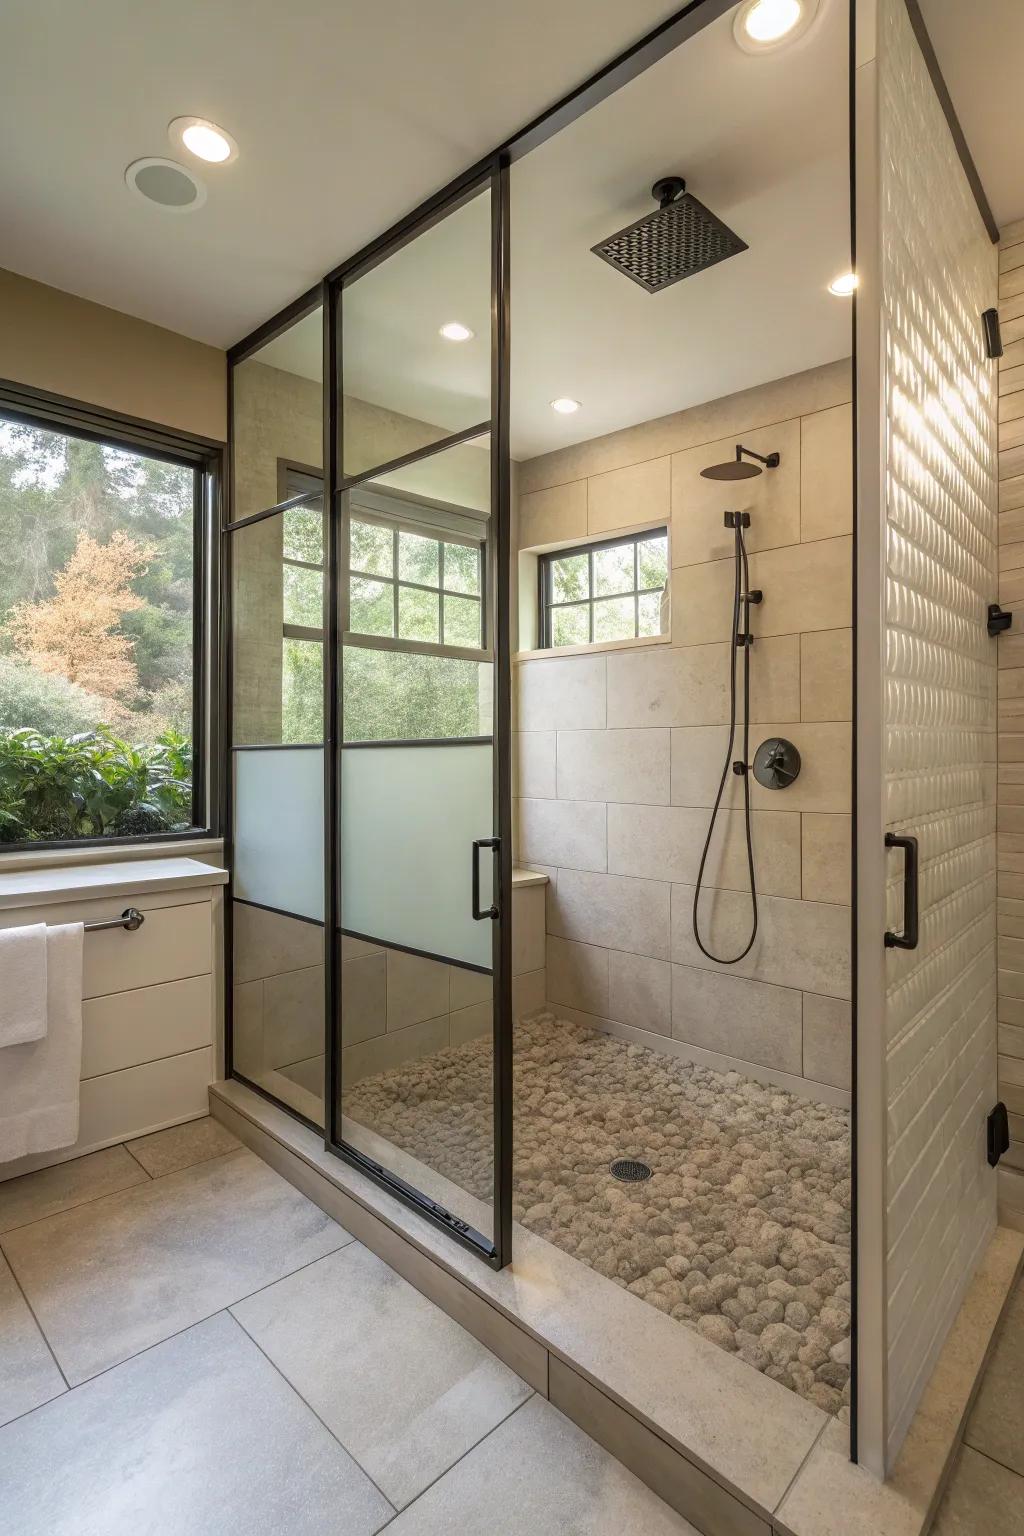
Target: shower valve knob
{"points": [[776, 763]]}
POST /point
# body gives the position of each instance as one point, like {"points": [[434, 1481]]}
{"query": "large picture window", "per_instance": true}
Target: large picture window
{"points": [[611, 590], [100, 621]]}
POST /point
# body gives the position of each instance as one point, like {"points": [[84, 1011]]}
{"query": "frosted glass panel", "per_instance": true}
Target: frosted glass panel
{"points": [[409, 816], [279, 829]]}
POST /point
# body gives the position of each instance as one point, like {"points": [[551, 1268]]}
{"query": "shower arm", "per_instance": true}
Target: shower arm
{"points": [[769, 460]]}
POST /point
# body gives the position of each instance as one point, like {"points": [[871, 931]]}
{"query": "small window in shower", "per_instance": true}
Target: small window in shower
{"points": [[613, 589]]}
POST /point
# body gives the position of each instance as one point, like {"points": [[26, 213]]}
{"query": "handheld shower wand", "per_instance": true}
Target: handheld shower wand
{"points": [[742, 600]]}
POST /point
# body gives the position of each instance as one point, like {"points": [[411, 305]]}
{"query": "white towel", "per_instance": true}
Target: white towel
{"points": [[22, 984], [39, 1080]]}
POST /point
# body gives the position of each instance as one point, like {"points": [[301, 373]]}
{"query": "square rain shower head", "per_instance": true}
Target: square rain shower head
{"points": [[678, 239]]}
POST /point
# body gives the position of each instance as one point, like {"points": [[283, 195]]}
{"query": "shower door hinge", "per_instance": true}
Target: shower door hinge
{"points": [[998, 1134]]}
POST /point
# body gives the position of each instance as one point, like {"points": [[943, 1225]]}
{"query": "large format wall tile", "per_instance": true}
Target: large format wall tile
{"points": [[621, 498], [570, 833], [562, 693], [640, 991], [824, 783], [828, 1040], [266, 943], [799, 944], [773, 499], [806, 586], [826, 473], [628, 766], [612, 911], [826, 675], [553, 516], [738, 1017], [363, 998], [578, 975], [827, 857], [690, 685], [417, 989], [535, 764], [293, 1016], [666, 843]]}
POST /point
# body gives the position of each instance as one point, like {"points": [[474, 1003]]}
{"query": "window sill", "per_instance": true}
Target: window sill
{"points": [[598, 647], [204, 849]]}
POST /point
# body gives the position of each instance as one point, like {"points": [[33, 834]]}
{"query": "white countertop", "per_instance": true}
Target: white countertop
{"points": [[132, 877]]}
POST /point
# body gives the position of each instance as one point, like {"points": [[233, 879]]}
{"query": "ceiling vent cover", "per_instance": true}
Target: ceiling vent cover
{"points": [[681, 238], [166, 183]]}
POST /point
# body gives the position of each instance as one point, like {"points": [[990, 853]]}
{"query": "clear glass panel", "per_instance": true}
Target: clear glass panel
{"points": [[407, 696], [277, 1037], [371, 607], [303, 596], [462, 569], [372, 548], [418, 614], [652, 562], [613, 570], [462, 621], [302, 690], [277, 425], [419, 559], [304, 534], [615, 618], [649, 604], [570, 579], [570, 626], [404, 384]]}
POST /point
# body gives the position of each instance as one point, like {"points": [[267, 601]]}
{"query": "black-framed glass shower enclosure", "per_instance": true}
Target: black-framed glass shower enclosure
{"points": [[367, 658]]}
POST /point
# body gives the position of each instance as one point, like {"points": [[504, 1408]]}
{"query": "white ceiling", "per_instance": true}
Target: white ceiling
{"points": [[761, 140], [347, 115], [980, 48]]}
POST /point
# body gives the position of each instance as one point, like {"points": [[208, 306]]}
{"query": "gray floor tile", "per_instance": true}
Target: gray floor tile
{"points": [[403, 1387], [538, 1475], [983, 1499], [28, 1375], [118, 1275], [996, 1425], [181, 1146], [60, 1188], [200, 1434]]}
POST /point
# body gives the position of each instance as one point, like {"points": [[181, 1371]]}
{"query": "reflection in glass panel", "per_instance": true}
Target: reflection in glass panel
{"points": [[405, 385], [613, 570], [570, 626], [277, 423], [614, 618]]}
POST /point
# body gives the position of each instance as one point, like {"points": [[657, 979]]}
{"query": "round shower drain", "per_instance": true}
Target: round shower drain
{"points": [[630, 1170]]}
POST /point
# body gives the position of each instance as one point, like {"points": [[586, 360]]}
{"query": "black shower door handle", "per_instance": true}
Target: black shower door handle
{"points": [[908, 938], [479, 912]]}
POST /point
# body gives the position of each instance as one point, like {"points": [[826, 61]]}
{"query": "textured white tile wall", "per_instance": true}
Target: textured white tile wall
{"points": [[938, 274]]}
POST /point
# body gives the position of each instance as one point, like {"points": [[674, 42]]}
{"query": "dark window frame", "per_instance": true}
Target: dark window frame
{"points": [[545, 601], [206, 458]]}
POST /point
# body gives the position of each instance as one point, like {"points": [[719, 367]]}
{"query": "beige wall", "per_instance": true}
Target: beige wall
{"points": [[1010, 840], [69, 346], [619, 751]]}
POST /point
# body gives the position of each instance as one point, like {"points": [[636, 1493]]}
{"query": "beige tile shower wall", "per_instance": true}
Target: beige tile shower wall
{"points": [[1010, 840], [619, 753], [939, 677]]}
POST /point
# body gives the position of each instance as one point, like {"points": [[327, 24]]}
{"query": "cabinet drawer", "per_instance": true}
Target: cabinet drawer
{"points": [[173, 942], [123, 1029]]}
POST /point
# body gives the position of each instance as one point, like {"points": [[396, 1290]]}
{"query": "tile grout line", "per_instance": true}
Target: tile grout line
{"points": [[829, 1421], [468, 1452], [177, 1333], [42, 1335], [993, 1459], [307, 1404], [134, 1159]]}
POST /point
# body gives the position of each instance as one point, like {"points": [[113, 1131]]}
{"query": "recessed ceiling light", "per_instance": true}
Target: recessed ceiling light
{"points": [[203, 139], [564, 406], [844, 285], [170, 186], [762, 25], [456, 331]]}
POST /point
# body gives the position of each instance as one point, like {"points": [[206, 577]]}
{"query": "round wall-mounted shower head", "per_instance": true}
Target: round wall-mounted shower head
{"points": [[732, 469], [738, 469]]}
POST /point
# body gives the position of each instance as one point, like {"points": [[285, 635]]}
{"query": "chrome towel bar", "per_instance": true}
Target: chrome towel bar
{"points": [[131, 919]]}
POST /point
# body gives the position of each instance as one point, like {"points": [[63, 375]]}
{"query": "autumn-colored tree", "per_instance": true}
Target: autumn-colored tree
{"points": [[76, 633]]}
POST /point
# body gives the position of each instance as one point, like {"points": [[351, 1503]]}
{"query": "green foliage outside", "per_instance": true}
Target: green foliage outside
{"points": [[92, 785], [401, 695], [73, 762]]}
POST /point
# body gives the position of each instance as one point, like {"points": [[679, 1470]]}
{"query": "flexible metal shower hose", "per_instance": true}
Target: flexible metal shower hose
{"points": [[741, 589]]}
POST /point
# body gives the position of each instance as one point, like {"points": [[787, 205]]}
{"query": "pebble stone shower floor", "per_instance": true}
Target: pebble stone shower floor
{"points": [[743, 1230]]}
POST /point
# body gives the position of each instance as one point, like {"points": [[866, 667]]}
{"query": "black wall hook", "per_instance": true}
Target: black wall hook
{"points": [[998, 621]]}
